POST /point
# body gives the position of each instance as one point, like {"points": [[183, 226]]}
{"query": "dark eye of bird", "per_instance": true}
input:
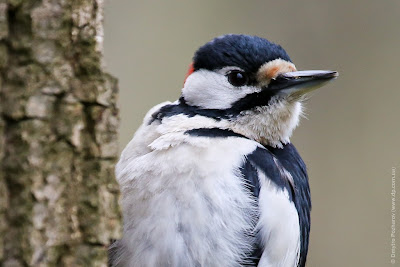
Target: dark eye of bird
{"points": [[237, 78]]}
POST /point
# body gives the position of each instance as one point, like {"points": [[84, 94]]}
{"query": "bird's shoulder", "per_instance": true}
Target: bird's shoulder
{"points": [[181, 142]]}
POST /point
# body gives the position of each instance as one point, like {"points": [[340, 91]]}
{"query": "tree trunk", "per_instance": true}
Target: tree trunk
{"points": [[58, 135]]}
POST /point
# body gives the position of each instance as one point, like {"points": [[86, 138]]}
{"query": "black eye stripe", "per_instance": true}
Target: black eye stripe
{"points": [[237, 78]]}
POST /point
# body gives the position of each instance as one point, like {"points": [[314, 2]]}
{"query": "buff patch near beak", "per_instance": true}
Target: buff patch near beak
{"points": [[272, 69]]}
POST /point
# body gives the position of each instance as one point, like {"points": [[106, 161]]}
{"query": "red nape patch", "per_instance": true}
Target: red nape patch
{"points": [[190, 71]]}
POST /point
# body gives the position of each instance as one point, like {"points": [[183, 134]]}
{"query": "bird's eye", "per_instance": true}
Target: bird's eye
{"points": [[237, 78]]}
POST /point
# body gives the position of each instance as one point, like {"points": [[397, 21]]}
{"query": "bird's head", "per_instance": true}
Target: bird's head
{"points": [[251, 86]]}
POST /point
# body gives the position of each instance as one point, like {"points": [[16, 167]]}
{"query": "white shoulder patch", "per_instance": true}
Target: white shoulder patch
{"points": [[278, 226]]}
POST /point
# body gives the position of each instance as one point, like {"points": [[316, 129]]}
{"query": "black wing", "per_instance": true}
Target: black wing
{"points": [[262, 160], [299, 192], [269, 160], [293, 163]]}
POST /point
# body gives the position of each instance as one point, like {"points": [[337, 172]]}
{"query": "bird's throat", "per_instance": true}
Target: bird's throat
{"points": [[270, 125]]}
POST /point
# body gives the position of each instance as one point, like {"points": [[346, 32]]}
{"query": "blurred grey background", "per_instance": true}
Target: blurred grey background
{"points": [[350, 140]]}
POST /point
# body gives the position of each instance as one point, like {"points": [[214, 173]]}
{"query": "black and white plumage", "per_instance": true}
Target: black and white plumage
{"points": [[212, 179]]}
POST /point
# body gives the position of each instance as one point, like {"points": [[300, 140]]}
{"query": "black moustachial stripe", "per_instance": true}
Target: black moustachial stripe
{"points": [[248, 102], [262, 159], [183, 108]]}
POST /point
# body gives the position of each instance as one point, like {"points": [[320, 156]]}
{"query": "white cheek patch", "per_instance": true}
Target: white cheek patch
{"points": [[211, 90]]}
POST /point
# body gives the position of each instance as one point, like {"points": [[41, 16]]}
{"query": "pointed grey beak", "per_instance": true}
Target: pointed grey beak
{"points": [[301, 82]]}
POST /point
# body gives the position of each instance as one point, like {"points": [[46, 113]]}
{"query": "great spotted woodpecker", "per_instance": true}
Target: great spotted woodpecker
{"points": [[212, 178]]}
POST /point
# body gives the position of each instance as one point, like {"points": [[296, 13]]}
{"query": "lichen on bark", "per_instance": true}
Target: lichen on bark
{"points": [[58, 135]]}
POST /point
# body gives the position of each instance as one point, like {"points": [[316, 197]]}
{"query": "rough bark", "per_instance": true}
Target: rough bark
{"points": [[58, 135]]}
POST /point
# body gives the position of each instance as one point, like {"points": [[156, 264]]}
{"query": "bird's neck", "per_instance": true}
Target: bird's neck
{"points": [[271, 125]]}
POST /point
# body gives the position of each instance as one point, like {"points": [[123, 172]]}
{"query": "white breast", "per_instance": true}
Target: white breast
{"points": [[185, 204]]}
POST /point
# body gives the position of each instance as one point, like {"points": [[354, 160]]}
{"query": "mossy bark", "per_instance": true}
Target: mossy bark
{"points": [[58, 135]]}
